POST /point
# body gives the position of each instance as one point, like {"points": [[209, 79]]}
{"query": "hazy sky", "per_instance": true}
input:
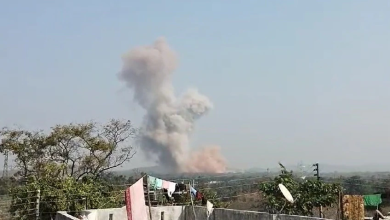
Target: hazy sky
{"points": [[290, 80]]}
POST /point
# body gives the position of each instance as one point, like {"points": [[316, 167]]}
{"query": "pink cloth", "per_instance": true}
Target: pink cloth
{"points": [[165, 184], [135, 201], [128, 203]]}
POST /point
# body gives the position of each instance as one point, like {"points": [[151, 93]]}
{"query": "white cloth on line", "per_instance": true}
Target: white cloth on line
{"points": [[209, 208], [171, 188]]}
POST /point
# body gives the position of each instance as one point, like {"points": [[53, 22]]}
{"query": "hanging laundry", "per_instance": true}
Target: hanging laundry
{"points": [[372, 200], [171, 188], [182, 187], [159, 183], [128, 203], [193, 191], [135, 201], [152, 182], [155, 183], [209, 207], [199, 195], [165, 184]]}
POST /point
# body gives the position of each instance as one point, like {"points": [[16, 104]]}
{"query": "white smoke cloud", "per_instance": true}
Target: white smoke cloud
{"points": [[169, 121]]}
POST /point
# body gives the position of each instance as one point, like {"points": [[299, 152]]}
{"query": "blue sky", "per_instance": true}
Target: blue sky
{"points": [[290, 80]]}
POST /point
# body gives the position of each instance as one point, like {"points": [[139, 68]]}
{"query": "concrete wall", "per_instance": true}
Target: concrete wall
{"points": [[169, 212], [186, 213], [294, 217], [239, 214], [104, 214], [64, 216]]}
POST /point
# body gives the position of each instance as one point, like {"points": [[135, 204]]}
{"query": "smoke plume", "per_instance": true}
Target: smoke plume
{"points": [[169, 120]]}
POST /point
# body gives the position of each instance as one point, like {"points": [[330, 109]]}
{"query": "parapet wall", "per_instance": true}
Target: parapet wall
{"points": [[186, 213]]}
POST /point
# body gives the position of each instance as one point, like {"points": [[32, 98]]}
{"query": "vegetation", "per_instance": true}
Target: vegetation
{"points": [[71, 168], [66, 166], [307, 194]]}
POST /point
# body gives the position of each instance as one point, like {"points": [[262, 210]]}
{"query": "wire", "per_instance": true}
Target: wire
{"points": [[201, 188], [218, 198], [199, 178], [122, 191], [205, 177], [68, 195], [242, 194], [219, 187]]}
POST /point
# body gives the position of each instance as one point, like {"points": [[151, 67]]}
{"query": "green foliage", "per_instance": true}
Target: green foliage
{"points": [[356, 185], [212, 196], [5, 184], [307, 194], [61, 194], [68, 166]]}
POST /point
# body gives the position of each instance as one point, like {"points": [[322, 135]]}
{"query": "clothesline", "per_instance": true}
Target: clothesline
{"points": [[171, 187], [135, 196]]}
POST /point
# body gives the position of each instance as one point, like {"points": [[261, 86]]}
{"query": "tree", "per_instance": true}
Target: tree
{"points": [[67, 165], [355, 185], [5, 183], [77, 149], [307, 194], [212, 196]]}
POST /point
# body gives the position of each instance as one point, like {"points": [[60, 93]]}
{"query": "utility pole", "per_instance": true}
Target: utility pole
{"points": [[317, 174]]}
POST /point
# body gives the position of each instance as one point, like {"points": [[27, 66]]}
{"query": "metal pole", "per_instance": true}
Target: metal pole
{"points": [[192, 202], [37, 204], [147, 189], [318, 179], [317, 174]]}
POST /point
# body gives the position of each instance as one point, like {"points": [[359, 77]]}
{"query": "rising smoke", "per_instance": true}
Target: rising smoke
{"points": [[169, 121]]}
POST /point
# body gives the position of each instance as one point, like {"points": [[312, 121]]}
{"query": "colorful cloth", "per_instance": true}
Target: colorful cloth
{"points": [[199, 195], [159, 183], [165, 184], [193, 191], [135, 201], [152, 182], [372, 200]]}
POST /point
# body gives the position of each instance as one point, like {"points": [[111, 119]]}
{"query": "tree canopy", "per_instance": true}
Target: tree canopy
{"points": [[307, 194], [66, 166]]}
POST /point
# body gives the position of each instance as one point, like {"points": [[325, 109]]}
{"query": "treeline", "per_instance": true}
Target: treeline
{"points": [[71, 168], [223, 190]]}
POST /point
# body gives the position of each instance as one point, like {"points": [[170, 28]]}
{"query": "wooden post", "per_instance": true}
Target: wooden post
{"points": [[192, 202], [320, 211], [339, 215], [147, 189], [37, 204], [341, 205]]}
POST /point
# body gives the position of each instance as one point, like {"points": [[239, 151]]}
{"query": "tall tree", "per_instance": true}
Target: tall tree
{"points": [[67, 165], [307, 194], [77, 149], [356, 185]]}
